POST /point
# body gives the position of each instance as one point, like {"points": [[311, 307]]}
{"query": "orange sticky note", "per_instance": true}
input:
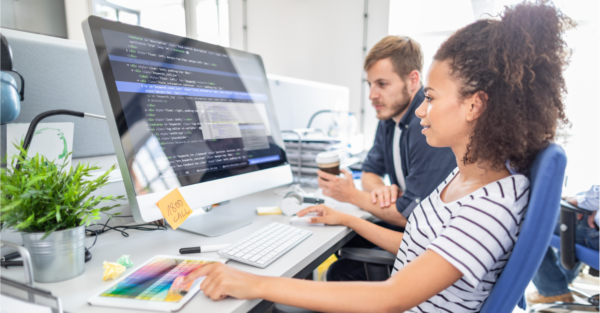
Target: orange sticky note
{"points": [[174, 208]]}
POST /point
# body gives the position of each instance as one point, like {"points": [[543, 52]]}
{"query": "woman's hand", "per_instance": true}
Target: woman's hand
{"points": [[326, 215], [222, 281]]}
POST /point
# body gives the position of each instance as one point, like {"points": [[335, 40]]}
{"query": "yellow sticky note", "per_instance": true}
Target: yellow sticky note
{"points": [[268, 210], [174, 208], [112, 270]]}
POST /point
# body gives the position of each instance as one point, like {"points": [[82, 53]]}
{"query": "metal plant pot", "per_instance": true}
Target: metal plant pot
{"points": [[60, 256]]}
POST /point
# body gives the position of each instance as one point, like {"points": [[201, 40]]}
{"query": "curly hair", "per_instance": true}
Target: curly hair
{"points": [[517, 62]]}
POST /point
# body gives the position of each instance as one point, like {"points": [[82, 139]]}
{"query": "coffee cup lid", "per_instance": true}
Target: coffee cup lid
{"points": [[328, 157]]}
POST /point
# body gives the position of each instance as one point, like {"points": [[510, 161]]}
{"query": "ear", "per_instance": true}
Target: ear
{"points": [[477, 103], [414, 81]]}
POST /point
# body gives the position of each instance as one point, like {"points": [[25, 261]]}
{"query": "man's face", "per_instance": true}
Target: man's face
{"points": [[388, 92]]}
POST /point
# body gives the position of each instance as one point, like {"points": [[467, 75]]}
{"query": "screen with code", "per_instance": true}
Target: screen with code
{"points": [[191, 111]]}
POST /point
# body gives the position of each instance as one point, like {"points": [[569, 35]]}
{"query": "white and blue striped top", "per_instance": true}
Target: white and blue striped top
{"points": [[476, 234]]}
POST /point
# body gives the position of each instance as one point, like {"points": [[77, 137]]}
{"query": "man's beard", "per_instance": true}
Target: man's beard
{"points": [[399, 106]]}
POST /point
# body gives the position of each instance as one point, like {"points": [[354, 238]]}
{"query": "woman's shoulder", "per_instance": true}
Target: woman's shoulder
{"points": [[448, 179], [511, 193]]}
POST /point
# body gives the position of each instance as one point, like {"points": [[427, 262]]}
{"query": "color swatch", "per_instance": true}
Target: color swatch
{"points": [[153, 280]]}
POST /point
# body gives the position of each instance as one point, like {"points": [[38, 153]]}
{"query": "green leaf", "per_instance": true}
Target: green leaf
{"points": [[11, 188], [34, 180], [11, 206], [25, 223], [58, 213]]}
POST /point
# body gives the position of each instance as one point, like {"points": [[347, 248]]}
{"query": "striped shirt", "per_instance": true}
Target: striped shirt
{"points": [[476, 234]]}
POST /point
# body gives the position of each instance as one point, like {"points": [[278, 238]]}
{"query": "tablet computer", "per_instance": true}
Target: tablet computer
{"points": [[148, 287]]}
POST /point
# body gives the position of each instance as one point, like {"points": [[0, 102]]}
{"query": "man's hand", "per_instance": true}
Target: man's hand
{"points": [[339, 188], [386, 195], [590, 220], [222, 281], [326, 215]]}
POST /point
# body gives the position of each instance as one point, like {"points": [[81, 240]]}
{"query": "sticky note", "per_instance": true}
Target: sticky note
{"points": [[268, 210], [125, 261], [174, 208], [112, 270]]}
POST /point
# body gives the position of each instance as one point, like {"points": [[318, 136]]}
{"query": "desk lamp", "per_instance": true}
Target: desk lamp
{"points": [[41, 116]]}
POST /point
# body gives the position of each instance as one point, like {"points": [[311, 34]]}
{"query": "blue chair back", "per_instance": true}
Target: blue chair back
{"points": [[546, 179]]}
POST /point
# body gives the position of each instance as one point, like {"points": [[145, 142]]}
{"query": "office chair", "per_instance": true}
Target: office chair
{"points": [[570, 253], [546, 178]]}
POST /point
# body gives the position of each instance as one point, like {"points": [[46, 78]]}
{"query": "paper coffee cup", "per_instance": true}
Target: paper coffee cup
{"points": [[329, 162]]}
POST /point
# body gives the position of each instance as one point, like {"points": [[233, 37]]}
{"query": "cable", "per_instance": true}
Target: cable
{"points": [[122, 228], [7, 259]]}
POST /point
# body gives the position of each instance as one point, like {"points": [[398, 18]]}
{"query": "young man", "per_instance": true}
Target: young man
{"points": [[393, 69]]}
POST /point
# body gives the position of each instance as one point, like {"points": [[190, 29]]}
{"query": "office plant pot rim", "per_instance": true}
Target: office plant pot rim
{"points": [[55, 231]]}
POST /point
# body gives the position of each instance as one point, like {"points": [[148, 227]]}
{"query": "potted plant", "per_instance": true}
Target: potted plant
{"points": [[51, 204]]}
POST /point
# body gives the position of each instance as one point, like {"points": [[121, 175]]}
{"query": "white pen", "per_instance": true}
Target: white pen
{"points": [[203, 249]]}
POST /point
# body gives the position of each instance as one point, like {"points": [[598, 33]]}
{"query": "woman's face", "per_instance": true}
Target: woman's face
{"points": [[446, 117]]}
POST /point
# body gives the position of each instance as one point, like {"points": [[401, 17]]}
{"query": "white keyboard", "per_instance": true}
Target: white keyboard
{"points": [[266, 245]]}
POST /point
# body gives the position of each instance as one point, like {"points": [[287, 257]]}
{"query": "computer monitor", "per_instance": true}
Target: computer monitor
{"points": [[186, 114]]}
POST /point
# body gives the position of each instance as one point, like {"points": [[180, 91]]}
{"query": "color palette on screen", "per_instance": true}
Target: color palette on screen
{"points": [[153, 280]]}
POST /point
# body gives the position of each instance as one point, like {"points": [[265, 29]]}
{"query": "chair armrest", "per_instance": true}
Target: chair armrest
{"points": [[368, 255], [566, 206], [568, 221]]}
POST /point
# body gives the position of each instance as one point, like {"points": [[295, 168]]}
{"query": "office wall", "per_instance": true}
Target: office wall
{"points": [[312, 39], [45, 17]]}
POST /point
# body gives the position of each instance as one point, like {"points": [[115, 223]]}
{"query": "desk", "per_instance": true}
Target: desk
{"points": [[141, 246]]}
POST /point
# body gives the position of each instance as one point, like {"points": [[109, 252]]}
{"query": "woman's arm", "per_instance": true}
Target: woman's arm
{"points": [[343, 189], [384, 238], [420, 280], [389, 214]]}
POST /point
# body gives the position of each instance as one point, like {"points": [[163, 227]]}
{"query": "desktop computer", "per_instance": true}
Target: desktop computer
{"points": [[186, 114]]}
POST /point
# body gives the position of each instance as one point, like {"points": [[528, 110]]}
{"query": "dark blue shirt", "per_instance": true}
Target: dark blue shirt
{"points": [[424, 167]]}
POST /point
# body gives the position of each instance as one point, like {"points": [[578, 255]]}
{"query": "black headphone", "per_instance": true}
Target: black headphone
{"points": [[6, 64]]}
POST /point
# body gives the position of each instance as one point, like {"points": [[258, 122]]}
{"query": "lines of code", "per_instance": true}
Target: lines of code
{"points": [[205, 112]]}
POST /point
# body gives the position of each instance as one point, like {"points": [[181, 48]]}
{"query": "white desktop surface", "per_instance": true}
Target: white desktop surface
{"points": [[142, 246]]}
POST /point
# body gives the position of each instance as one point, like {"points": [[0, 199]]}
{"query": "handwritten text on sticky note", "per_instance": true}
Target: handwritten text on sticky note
{"points": [[174, 208]]}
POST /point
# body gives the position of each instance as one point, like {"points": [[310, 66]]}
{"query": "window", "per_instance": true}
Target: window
{"points": [[115, 12], [211, 21], [163, 15]]}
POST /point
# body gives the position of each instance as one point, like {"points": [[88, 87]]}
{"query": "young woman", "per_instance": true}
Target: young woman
{"points": [[494, 96]]}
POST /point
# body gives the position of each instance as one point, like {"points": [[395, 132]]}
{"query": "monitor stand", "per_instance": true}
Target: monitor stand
{"points": [[214, 225]]}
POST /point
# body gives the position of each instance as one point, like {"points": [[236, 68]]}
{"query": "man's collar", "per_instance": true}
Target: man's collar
{"points": [[414, 104]]}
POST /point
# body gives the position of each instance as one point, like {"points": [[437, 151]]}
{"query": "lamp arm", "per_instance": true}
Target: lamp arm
{"points": [[41, 116]]}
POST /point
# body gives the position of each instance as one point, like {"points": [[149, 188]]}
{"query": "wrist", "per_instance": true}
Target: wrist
{"points": [[347, 219], [260, 286]]}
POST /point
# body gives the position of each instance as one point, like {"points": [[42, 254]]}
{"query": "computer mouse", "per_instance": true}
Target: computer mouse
{"points": [[304, 220]]}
